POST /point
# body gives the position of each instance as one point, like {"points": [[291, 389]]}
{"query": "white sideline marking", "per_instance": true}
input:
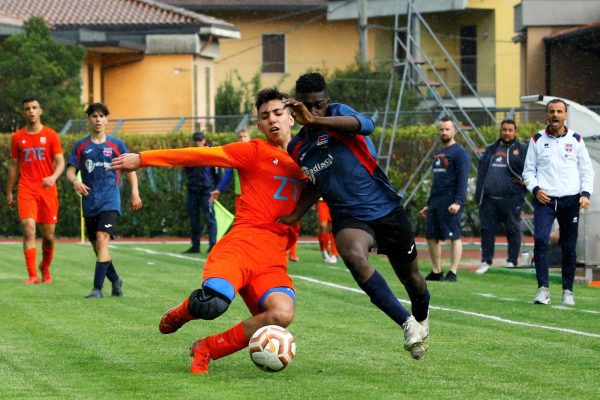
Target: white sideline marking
{"points": [[558, 307], [470, 313], [148, 251]]}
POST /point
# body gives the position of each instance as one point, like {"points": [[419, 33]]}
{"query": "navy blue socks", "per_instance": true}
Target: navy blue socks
{"points": [[100, 273], [382, 296]]}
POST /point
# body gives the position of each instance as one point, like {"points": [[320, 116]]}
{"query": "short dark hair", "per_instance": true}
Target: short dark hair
{"points": [[267, 95], [311, 83], [29, 99], [554, 101], [92, 108], [508, 121], [447, 118]]}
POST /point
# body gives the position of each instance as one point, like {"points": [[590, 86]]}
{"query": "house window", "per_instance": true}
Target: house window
{"points": [[90, 83], [468, 58], [273, 53]]}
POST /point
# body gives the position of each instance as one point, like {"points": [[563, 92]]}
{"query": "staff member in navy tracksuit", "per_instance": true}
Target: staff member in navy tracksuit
{"points": [[500, 193], [201, 181], [558, 171], [446, 201]]}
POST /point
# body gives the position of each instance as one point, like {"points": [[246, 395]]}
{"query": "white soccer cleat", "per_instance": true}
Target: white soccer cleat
{"points": [[415, 336], [325, 255], [332, 260], [510, 265], [542, 296], [483, 267], [568, 299]]}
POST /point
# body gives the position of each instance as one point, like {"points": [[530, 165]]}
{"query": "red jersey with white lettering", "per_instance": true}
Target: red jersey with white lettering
{"points": [[36, 156]]}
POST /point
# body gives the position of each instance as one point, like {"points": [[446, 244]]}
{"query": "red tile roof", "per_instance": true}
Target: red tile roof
{"points": [[183, 3], [63, 13]]}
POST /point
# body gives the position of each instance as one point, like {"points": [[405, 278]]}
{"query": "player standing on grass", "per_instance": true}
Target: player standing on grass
{"points": [[251, 258], [100, 190], [338, 158], [37, 152]]}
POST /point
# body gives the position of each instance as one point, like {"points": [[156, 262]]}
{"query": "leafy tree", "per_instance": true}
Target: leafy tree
{"points": [[234, 97], [32, 63]]}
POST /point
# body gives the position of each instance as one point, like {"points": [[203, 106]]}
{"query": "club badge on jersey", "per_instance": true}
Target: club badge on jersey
{"points": [[322, 141], [107, 151]]}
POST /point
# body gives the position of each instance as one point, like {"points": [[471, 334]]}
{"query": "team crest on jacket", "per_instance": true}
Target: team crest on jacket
{"points": [[322, 140], [515, 152], [569, 147], [107, 151]]}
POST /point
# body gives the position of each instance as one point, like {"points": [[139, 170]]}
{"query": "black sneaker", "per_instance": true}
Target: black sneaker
{"points": [[192, 250], [434, 276], [95, 294], [450, 277], [117, 288]]}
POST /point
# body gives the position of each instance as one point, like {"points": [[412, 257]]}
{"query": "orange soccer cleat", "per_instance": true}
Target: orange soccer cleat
{"points": [[46, 277], [33, 280], [174, 319], [201, 357]]}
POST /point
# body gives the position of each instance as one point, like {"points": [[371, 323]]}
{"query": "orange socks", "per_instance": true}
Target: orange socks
{"points": [[228, 342], [30, 261], [334, 251], [323, 240], [47, 255]]}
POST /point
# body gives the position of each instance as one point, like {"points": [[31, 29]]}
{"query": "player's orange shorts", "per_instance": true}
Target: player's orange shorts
{"points": [[253, 260], [323, 211], [40, 204]]}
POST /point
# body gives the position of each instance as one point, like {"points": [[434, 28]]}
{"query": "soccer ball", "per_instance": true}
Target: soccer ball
{"points": [[272, 348]]}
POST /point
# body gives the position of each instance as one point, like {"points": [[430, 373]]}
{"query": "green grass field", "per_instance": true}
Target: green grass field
{"points": [[487, 340]]}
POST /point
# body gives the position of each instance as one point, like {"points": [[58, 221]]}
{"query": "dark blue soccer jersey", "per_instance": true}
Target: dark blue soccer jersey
{"points": [[450, 173], [344, 168], [92, 159]]}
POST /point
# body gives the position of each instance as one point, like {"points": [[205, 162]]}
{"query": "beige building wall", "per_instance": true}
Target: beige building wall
{"points": [[156, 86], [92, 67], [316, 44], [506, 54]]}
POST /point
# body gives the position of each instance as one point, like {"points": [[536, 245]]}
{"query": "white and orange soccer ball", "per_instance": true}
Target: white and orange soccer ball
{"points": [[272, 348]]}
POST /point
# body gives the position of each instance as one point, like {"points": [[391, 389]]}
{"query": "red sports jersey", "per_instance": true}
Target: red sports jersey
{"points": [[269, 178], [36, 156]]}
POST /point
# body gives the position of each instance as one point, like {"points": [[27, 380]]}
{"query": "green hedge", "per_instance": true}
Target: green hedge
{"points": [[163, 189]]}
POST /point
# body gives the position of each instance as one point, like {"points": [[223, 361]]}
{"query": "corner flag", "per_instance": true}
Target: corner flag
{"points": [[224, 219]]}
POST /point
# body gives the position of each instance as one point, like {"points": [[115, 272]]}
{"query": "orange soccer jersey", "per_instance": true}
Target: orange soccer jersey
{"points": [[36, 156], [35, 153], [252, 256]]}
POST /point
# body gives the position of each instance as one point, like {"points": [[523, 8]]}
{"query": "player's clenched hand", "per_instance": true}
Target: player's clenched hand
{"points": [[127, 162], [135, 202], [81, 188], [287, 219], [424, 211], [48, 181], [300, 112], [10, 200]]}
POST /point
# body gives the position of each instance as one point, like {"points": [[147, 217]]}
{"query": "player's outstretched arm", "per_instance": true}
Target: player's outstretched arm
{"points": [[127, 162], [187, 157], [309, 196]]}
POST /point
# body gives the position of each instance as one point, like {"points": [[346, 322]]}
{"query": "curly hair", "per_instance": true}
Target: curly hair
{"points": [[311, 83], [267, 95]]}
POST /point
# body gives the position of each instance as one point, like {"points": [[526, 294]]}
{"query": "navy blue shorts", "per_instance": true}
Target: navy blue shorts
{"points": [[106, 221], [441, 225], [392, 233]]}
